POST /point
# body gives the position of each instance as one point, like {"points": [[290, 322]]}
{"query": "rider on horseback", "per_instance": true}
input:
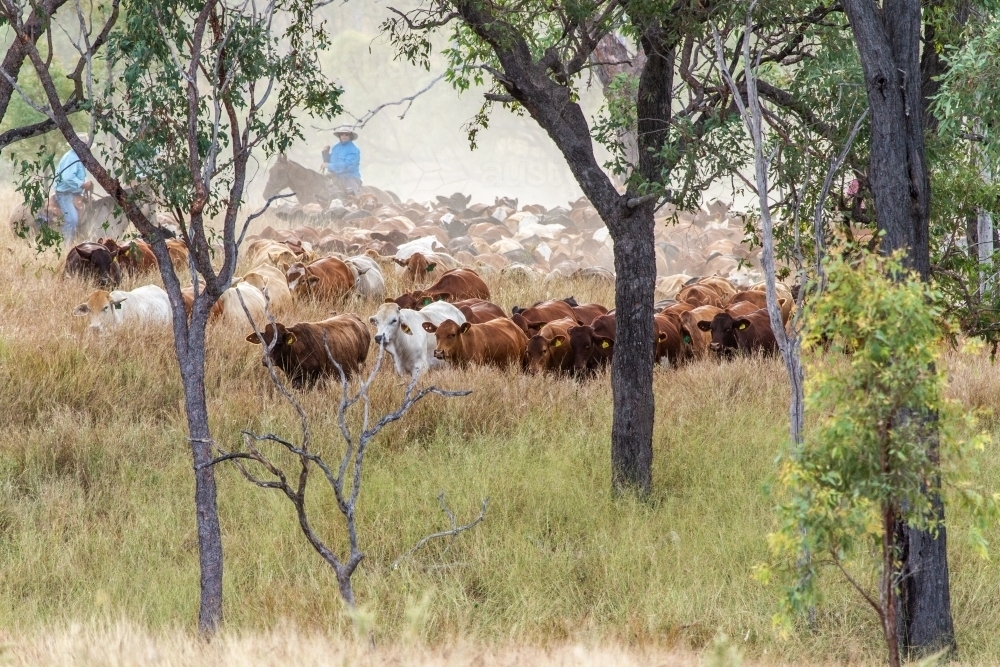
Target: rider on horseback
{"points": [[69, 184], [343, 161]]}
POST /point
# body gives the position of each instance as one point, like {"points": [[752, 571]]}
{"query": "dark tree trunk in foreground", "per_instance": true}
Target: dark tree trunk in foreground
{"points": [[888, 42], [629, 217]]}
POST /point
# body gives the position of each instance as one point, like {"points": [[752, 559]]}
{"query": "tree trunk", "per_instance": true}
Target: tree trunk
{"points": [[924, 624], [888, 42], [192, 366], [632, 364]]}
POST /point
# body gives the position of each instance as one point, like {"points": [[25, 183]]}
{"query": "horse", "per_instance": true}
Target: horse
{"points": [[312, 187], [99, 217]]}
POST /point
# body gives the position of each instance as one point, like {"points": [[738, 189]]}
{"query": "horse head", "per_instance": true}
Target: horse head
{"points": [[278, 177]]}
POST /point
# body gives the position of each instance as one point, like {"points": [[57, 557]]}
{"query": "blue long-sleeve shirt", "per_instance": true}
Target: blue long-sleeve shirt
{"points": [[70, 174], [345, 160]]}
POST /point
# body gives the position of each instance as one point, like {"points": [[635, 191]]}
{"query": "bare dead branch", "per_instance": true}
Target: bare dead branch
{"points": [[455, 529]]}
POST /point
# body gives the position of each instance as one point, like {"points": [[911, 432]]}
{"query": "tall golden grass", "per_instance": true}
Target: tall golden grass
{"points": [[96, 506]]}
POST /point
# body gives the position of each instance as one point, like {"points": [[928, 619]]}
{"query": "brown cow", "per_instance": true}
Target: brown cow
{"points": [[326, 278], [497, 342], [745, 334], [421, 267], [696, 340], [700, 295], [93, 261], [593, 345], [178, 252], [454, 285], [759, 299], [588, 312], [478, 311], [299, 351], [549, 349], [721, 286], [532, 319], [135, 256], [669, 341]]}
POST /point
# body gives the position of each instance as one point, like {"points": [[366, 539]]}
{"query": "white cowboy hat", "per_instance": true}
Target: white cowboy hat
{"points": [[346, 129]]}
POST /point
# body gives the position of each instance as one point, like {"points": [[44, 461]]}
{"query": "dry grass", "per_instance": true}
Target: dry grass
{"points": [[96, 509]]}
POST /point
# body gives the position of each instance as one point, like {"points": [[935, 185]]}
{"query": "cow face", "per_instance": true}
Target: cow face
{"points": [[103, 310], [417, 267], [294, 275], [588, 348], [449, 338], [388, 324], [540, 351], [724, 328], [281, 353]]}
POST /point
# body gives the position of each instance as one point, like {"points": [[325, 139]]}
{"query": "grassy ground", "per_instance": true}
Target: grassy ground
{"points": [[96, 493]]}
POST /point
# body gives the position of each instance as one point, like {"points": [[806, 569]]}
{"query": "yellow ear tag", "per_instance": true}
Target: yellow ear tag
{"points": [[290, 339], [405, 328], [742, 326], [605, 344], [557, 343]]}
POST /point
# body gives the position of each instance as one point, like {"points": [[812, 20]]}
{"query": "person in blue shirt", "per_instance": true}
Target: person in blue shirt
{"points": [[70, 183], [344, 160]]}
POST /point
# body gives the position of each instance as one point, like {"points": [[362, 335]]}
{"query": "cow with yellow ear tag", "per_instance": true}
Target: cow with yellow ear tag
{"points": [[549, 349], [300, 350]]}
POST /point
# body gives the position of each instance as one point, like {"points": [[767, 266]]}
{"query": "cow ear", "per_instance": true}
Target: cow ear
{"points": [[312, 280], [558, 341], [430, 267], [81, 310], [605, 343], [464, 328], [430, 327], [399, 261], [117, 301], [705, 326], [742, 324], [290, 339], [253, 338], [406, 329], [443, 296], [662, 337], [426, 301], [372, 320], [389, 301]]}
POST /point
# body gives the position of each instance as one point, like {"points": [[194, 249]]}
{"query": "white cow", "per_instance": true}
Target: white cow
{"points": [[107, 310], [229, 309], [401, 330], [273, 279], [368, 279]]}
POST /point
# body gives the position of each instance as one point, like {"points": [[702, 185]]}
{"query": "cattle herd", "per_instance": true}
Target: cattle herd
{"points": [[446, 254]]}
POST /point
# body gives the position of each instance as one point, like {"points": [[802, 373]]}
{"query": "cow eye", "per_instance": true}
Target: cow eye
{"points": [[393, 322]]}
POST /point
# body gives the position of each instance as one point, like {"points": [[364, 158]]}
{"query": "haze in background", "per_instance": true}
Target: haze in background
{"points": [[427, 152]]}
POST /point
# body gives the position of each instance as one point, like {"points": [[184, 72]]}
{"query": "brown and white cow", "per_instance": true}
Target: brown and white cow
{"points": [[300, 353], [327, 278], [497, 342]]}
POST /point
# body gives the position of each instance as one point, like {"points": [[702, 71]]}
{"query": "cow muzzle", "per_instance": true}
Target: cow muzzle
{"points": [[716, 347], [438, 354], [378, 339]]}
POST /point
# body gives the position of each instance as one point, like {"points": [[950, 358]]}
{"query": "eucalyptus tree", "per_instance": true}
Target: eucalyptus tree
{"points": [[198, 87], [533, 56]]}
